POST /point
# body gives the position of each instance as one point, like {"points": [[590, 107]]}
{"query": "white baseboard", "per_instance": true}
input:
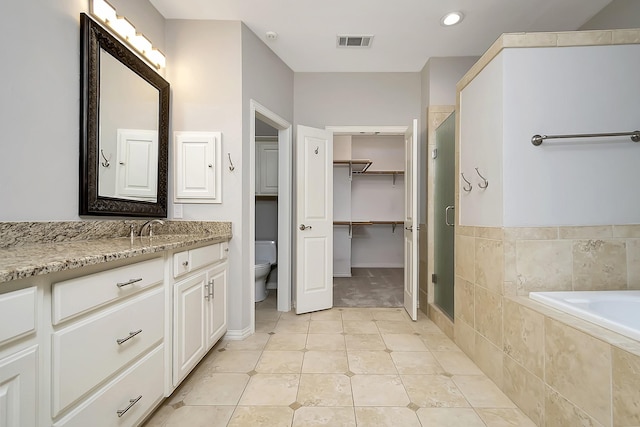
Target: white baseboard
{"points": [[342, 275], [239, 334], [378, 265]]}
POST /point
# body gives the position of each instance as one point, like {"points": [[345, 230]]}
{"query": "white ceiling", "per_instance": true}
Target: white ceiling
{"points": [[407, 32]]}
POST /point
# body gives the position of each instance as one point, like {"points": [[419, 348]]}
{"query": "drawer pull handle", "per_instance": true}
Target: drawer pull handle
{"points": [[132, 402], [185, 263], [130, 282], [131, 335]]}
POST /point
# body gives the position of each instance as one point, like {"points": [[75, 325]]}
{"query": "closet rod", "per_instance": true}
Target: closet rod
{"points": [[537, 139]]}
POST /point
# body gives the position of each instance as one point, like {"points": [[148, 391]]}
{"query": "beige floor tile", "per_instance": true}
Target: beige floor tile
{"points": [[271, 390], [394, 327], [292, 326], [325, 362], [357, 314], [449, 417], [404, 342], [280, 362], [230, 361], [378, 390], [325, 390], [457, 363], [370, 362], [319, 416], [160, 416], [286, 341], [426, 326], [267, 315], [333, 314], [501, 417], [217, 389], [291, 315], [433, 391], [325, 326], [272, 416], [481, 392], [266, 327], [200, 416], [364, 342], [256, 341], [439, 342], [360, 327], [416, 362], [393, 315], [388, 416], [325, 342]]}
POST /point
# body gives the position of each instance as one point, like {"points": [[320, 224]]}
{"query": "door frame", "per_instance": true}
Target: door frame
{"points": [[285, 189]]}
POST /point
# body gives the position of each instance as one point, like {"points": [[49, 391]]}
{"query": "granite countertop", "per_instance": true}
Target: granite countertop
{"points": [[37, 258]]}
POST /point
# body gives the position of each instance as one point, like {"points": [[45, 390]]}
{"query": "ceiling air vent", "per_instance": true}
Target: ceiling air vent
{"points": [[354, 41]]}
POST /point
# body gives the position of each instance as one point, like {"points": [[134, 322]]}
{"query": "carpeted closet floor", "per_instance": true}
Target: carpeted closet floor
{"points": [[369, 287]]}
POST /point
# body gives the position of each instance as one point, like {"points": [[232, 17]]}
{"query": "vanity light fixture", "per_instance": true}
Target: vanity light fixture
{"points": [[106, 13], [451, 18]]}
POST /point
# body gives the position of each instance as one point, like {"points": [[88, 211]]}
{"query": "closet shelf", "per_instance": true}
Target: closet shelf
{"points": [[351, 224], [355, 165]]}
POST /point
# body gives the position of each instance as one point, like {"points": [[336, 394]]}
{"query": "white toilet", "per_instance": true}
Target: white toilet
{"points": [[265, 258]]}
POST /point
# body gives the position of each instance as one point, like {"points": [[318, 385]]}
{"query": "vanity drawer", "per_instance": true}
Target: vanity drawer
{"points": [[101, 410], [17, 314], [193, 259], [87, 353], [76, 296]]}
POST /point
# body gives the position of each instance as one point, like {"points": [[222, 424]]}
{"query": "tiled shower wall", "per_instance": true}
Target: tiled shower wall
{"points": [[555, 369]]}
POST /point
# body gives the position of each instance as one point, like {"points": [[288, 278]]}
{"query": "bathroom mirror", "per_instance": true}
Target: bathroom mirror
{"points": [[124, 129]]}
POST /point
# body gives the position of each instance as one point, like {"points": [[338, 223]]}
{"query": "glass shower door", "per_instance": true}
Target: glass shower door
{"points": [[444, 218]]}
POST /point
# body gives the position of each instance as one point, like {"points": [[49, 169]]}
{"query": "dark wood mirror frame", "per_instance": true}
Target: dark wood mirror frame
{"points": [[94, 37]]}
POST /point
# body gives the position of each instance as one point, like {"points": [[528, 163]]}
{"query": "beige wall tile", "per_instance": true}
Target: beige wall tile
{"points": [[633, 263], [465, 257], [596, 232], [510, 267], [630, 36], [524, 336], [489, 264], [629, 231], [530, 40], [626, 388], [488, 357], [525, 389], [559, 412], [579, 367], [465, 230], [585, 38], [544, 265], [488, 315], [494, 233], [464, 300], [599, 265], [510, 289], [531, 233], [465, 338]]}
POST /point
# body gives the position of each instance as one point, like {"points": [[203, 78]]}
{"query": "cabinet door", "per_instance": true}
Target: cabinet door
{"points": [[137, 167], [267, 169], [217, 304], [198, 167], [18, 389], [189, 325]]}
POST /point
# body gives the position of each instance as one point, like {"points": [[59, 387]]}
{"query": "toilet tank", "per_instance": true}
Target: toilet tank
{"points": [[266, 250]]}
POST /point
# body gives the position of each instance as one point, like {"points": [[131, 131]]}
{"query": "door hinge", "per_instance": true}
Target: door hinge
{"points": [[434, 153], [434, 278]]}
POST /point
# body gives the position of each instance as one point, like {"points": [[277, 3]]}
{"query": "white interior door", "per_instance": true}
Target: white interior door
{"points": [[314, 220], [411, 221]]}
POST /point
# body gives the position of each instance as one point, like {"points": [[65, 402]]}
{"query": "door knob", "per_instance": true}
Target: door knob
{"points": [[304, 227]]}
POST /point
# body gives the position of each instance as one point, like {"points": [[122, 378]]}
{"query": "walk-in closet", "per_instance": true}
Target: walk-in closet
{"points": [[369, 199]]}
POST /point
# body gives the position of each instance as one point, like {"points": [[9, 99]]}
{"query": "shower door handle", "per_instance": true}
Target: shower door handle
{"points": [[446, 215]]}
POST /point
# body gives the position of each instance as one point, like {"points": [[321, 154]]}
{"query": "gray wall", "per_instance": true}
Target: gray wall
{"points": [[618, 14], [359, 99]]}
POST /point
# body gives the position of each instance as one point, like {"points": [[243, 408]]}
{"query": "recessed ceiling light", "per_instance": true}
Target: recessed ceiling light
{"points": [[451, 18], [272, 35]]}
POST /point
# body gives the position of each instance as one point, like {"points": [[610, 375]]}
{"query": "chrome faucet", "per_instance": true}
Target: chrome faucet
{"points": [[149, 225]]}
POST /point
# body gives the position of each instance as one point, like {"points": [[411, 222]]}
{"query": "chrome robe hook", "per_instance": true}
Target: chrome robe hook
{"points": [[485, 184], [468, 190]]}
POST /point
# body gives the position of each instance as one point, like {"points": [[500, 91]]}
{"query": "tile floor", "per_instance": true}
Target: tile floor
{"points": [[340, 367]]}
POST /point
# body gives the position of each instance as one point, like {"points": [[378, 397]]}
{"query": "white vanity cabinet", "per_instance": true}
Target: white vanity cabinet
{"points": [[267, 168], [199, 305], [107, 346], [19, 355]]}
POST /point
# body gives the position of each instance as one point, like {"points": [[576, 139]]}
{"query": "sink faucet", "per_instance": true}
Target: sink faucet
{"points": [[149, 225]]}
